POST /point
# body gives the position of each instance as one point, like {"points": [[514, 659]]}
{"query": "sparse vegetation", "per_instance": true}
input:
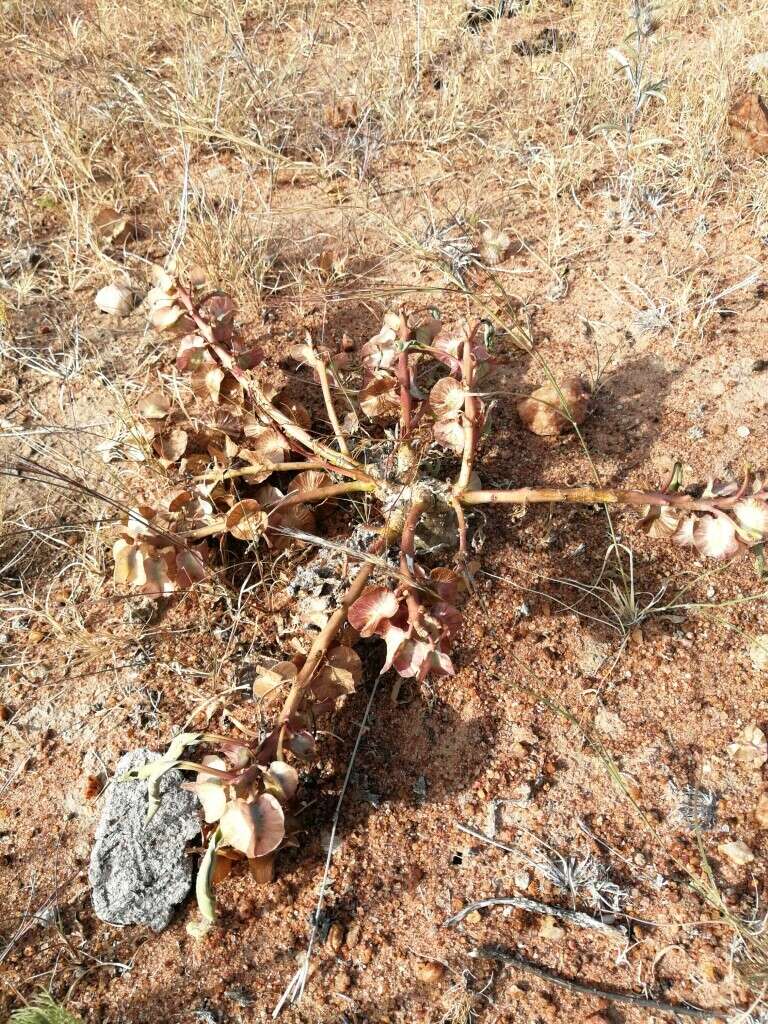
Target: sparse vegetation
{"points": [[343, 342]]}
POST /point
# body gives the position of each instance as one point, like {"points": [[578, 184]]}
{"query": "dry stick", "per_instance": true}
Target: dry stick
{"points": [[322, 373], [630, 998], [535, 907]]}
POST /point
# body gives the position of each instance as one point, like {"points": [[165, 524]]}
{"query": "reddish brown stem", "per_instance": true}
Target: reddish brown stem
{"points": [[471, 414], [407, 550], [406, 400]]}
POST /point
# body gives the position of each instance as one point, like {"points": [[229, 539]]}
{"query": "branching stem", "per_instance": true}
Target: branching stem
{"points": [[598, 495], [324, 639]]}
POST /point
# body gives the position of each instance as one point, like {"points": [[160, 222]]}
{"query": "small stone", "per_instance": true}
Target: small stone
{"points": [[335, 938], [522, 880], [91, 787], [342, 982], [743, 432], [140, 870], [474, 917], [549, 929], [758, 653], [737, 852], [761, 811], [428, 971], [750, 747], [609, 723], [353, 936], [5, 712]]}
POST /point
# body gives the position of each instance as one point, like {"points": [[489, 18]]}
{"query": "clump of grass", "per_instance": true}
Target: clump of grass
{"points": [[43, 1010]]}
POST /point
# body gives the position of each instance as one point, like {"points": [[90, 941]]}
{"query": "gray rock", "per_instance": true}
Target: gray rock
{"points": [[140, 870]]}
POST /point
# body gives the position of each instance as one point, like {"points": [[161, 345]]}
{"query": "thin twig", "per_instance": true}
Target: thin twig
{"points": [[295, 988], [577, 917], [502, 956]]}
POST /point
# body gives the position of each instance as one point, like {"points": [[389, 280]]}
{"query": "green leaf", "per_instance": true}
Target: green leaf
{"points": [[155, 770], [206, 901]]}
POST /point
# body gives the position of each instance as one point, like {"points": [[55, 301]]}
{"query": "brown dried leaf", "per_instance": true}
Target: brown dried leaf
{"points": [[246, 520], [256, 828], [342, 114], [270, 680], [309, 480], [113, 228], [380, 396], [543, 412], [114, 299], [155, 406], [339, 675], [749, 119], [171, 446], [450, 434]]}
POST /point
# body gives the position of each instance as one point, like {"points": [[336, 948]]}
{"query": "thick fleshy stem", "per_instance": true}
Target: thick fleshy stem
{"points": [[601, 495], [471, 415], [406, 400]]}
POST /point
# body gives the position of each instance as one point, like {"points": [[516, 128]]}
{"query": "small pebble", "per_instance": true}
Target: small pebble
{"points": [[428, 971], [743, 432], [522, 880], [737, 852], [335, 936], [473, 917], [761, 811], [342, 982]]}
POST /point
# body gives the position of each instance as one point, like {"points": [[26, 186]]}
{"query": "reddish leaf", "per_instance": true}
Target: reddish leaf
{"points": [[374, 605]]}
